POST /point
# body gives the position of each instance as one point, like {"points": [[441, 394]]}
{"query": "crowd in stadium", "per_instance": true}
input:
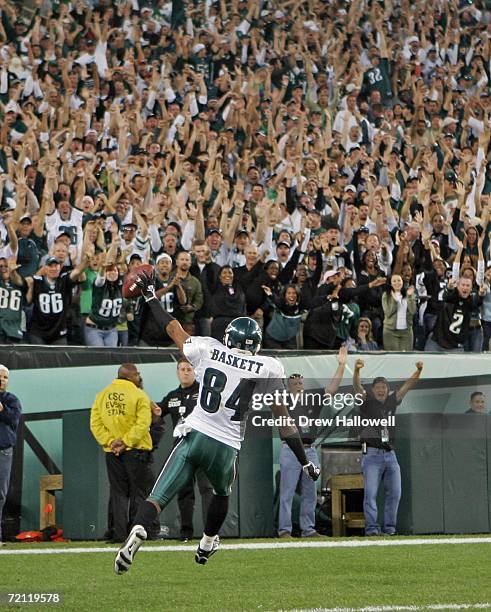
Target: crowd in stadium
{"points": [[321, 166]]}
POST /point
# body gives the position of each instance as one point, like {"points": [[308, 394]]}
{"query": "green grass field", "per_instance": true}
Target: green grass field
{"points": [[272, 579]]}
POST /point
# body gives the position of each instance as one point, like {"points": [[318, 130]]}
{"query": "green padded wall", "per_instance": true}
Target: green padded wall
{"points": [[465, 473], [419, 451], [85, 483]]}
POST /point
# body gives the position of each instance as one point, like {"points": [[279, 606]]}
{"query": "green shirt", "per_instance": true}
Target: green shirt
{"points": [[86, 292]]}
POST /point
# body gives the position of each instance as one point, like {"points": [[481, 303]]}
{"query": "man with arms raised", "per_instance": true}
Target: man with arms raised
{"points": [[228, 374]]}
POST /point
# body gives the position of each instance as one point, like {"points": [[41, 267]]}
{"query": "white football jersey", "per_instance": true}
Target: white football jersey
{"points": [[227, 380]]}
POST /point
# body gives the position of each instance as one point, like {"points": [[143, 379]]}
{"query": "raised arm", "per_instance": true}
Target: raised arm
{"points": [[172, 327], [359, 364], [333, 386], [410, 382]]}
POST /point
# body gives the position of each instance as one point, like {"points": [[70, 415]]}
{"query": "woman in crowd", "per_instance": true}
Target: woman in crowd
{"points": [[286, 318], [107, 300], [371, 301], [363, 340], [399, 306]]}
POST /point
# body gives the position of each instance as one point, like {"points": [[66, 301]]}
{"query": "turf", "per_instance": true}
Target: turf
{"points": [[258, 579]]}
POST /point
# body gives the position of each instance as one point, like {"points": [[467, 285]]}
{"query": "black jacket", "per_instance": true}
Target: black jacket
{"points": [[323, 322], [228, 301], [180, 399], [255, 296], [245, 277], [9, 419], [208, 277]]}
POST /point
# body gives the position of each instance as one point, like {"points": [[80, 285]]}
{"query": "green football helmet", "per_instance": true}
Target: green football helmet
{"points": [[243, 333]]}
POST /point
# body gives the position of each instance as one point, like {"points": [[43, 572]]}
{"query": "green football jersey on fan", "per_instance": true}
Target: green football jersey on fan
{"points": [[107, 301], [377, 78], [11, 314]]}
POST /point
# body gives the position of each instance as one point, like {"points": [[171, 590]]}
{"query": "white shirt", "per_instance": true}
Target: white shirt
{"points": [[220, 372]]}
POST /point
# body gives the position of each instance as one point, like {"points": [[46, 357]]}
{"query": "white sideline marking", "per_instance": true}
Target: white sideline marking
{"points": [[256, 546], [477, 606]]}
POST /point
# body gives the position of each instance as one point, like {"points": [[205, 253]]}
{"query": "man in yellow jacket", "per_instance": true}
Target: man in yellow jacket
{"points": [[120, 420]]}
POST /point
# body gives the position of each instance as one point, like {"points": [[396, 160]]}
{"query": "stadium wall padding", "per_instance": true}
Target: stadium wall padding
{"points": [[61, 379], [419, 451]]}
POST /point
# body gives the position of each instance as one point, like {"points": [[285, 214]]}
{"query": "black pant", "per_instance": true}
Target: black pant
{"points": [[185, 501], [313, 344], [130, 481], [271, 343]]}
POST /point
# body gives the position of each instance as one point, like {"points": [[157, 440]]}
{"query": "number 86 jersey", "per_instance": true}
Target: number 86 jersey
{"points": [[228, 381], [51, 301]]}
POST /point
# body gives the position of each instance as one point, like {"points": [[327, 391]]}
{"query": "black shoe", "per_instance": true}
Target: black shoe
{"points": [[202, 556]]}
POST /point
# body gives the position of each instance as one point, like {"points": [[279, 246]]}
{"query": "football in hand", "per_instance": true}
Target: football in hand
{"points": [[130, 288]]}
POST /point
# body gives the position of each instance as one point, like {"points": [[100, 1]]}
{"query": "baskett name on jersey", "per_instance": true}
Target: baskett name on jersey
{"points": [[227, 382]]}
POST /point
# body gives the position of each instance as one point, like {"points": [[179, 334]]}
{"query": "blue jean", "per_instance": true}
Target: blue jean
{"points": [[290, 471], [6, 455], [473, 344], [101, 337], [381, 466], [433, 347], [122, 337], [429, 321], [486, 328]]}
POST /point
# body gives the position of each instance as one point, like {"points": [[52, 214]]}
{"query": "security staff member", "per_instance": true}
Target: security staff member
{"points": [[179, 403], [10, 412], [120, 420], [379, 461]]}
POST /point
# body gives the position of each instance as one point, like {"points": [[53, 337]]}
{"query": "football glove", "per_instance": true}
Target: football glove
{"points": [[147, 287], [312, 471]]}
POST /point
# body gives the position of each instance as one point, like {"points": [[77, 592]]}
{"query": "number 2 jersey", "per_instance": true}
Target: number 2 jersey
{"points": [[452, 326], [227, 381]]}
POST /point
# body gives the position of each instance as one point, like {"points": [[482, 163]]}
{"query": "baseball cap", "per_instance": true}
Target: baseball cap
{"points": [[350, 188], [213, 230], [163, 256], [329, 274], [25, 218], [11, 107], [128, 225], [283, 243], [241, 231], [448, 121], [52, 260]]}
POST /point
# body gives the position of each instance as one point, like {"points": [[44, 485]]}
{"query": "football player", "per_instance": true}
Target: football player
{"points": [[228, 374]]}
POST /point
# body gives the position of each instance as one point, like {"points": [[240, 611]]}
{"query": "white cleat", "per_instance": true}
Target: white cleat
{"points": [[125, 555], [202, 556]]}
